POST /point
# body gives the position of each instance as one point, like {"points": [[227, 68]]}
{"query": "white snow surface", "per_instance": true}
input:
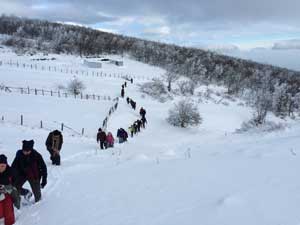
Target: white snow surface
{"points": [[206, 175]]}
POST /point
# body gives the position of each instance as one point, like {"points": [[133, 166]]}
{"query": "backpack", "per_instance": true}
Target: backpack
{"points": [[55, 141]]}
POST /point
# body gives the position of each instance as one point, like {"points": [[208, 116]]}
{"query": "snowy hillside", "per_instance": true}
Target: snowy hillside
{"points": [[163, 176]]}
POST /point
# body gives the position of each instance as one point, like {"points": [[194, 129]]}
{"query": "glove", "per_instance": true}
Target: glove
{"points": [[2, 189], [44, 182]]}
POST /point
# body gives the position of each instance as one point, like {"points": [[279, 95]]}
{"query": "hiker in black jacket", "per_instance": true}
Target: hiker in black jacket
{"points": [[54, 143], [30, 166]]}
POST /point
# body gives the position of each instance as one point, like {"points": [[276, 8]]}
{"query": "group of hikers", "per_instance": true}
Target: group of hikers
{"points": [[105, 140], [138, 124], [131, 102], [27, 166], [124, 86]]}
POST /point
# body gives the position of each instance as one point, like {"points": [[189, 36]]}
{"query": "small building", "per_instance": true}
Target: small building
{"points": [[117, 62], [92, 64]]}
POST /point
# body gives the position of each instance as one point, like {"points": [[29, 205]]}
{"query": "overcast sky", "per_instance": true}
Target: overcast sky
{"points": [[244, 23]]}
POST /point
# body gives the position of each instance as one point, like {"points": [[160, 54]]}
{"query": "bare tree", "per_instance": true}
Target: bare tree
{"points": [[262, 97], [184, 114], [171, 77], [76, 86]]}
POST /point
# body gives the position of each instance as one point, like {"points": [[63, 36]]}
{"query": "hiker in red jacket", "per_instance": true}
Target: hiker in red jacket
{"points": [[9, 195], [110, 140]]}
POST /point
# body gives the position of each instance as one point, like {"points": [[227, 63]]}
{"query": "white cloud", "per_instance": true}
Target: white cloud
{"points": [[287, 44], [122, 21], [107, 30], [222, 48], [161, 31]]}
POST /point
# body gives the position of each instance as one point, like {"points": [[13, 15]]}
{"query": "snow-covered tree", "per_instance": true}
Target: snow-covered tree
{"points": [[262, 97], [76, 86], [170, 77], [184, 114], [186, 87]]}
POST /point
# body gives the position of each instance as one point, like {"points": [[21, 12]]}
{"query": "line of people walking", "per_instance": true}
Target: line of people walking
{"points": [[139, 123]]}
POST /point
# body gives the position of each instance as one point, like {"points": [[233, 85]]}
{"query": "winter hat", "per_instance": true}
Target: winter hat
{"points": [[56, 132], [3, 159], [27, 145]]}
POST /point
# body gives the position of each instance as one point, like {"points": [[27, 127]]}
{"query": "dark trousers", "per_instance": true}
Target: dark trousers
{"points": [[55, 157], [35, 187], [102, 144]]}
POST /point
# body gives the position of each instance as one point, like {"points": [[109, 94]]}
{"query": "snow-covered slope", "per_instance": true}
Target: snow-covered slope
{"points": [[163, 176]]}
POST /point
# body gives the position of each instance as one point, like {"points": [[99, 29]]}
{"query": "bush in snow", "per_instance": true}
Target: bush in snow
{"points": [[184, 114], [76, 86], [268, 126], [155, 89]]}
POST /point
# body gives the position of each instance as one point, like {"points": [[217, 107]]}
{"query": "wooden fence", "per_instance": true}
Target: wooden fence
{"points": [[112, 109], [20, 120], [43, 125], [49, 68], [43, 92]]}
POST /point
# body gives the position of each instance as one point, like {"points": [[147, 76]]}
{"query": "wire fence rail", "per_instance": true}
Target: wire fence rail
{"points": [[59, 94], [22, 120], [72, 71], [112, 109]]}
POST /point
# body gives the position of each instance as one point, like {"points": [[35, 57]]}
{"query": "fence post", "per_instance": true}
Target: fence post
{"points": [[35, 91], [28, 90], [82, 131], [21, 120], [42, 91], [2, 118], [62, 126], [41, 124], [51, 93]]}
